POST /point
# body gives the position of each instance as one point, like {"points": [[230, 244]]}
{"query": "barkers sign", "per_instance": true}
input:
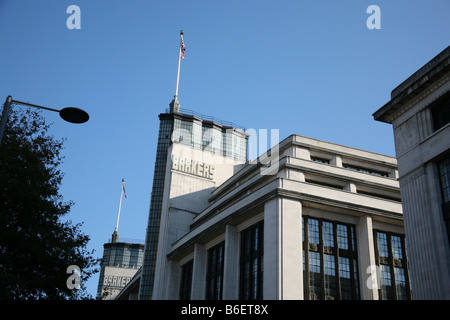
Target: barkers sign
{"points": [[116, 281], [196, 168]]}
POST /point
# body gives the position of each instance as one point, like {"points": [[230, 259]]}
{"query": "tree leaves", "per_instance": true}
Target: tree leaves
{"points": [[36, 247]]}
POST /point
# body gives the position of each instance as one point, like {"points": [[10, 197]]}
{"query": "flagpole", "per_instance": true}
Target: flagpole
{"points": [[120, 206], [179, 64]]}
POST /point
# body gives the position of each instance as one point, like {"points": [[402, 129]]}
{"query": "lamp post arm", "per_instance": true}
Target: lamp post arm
{"points": [[73, 115], [33, 105]]}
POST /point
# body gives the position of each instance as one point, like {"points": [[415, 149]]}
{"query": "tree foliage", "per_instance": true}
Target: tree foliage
{"points": [[36, 246]]}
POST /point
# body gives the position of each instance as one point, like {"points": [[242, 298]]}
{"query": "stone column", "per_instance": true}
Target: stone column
{"points": [[174, 280], [231, 264], [283, 272], [199, 273], [426, 234], [369, 277]]}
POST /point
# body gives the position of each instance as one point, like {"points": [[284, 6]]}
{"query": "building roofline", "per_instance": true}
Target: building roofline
{"points": [[205, 118], [303, 141], [413, 85]]}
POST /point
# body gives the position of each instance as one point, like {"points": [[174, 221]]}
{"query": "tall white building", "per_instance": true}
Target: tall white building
{"points": [[195, 154], [419, 111]]}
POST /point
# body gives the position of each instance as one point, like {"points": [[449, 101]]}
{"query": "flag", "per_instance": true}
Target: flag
{"points": [[124, 193], [183, 49]]}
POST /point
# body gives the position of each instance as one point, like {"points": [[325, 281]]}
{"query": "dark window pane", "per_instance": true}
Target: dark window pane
{"points": [[441, 112], [186, 281], [251, 262]]}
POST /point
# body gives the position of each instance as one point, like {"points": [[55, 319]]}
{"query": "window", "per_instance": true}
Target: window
{"points": [[315, 275], [377, 195], [321, 183], [391, 258], [440, 112], [386, 283], [366, 170], [251, 263], [186, 281], [214, 276], [320, 160], [329, 260], [313, 231], [328, 239]]}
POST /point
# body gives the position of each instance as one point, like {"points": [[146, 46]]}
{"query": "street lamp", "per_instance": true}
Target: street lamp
{"points": [[73, 115]]}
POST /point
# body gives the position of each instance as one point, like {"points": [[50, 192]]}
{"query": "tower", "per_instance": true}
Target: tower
{"points": [[120, 262], [203, 151]]}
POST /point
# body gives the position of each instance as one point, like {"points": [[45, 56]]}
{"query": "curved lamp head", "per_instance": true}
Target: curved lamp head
{"points": [[74, 115]]}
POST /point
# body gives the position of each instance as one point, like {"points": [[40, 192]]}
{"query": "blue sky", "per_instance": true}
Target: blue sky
{"points": [[306, 67]]}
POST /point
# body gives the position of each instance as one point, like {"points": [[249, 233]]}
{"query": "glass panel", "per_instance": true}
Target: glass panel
{"points": [[328, 235], [330, 276], [315, 277], [397, 247], [251, 262], [214, 272], [186, 281], [441, 113], [313, 231], [383, 250], [344, 274], [400, 283], [342, 236], [386, 282]]}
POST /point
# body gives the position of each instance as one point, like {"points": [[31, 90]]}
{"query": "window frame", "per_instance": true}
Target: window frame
{"points": [[440, 114], [214, 272], [186, 281], [249, 289], [339, 255], [392, 263]]}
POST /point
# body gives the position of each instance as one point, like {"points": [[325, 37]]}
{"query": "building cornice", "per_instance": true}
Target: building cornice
{"points": [[430, 75]]}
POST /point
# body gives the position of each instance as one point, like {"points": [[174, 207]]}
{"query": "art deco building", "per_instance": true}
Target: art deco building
{"points": [[194, 144], [307, 220], [419, 111]]}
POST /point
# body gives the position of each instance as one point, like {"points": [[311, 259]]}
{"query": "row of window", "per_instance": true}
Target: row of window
{"points": [[123, 257], [330, 264], [203, 138], [353, 167]]}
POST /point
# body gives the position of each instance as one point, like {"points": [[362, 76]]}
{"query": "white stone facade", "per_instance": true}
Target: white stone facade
{"points": [[315, 179]]}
